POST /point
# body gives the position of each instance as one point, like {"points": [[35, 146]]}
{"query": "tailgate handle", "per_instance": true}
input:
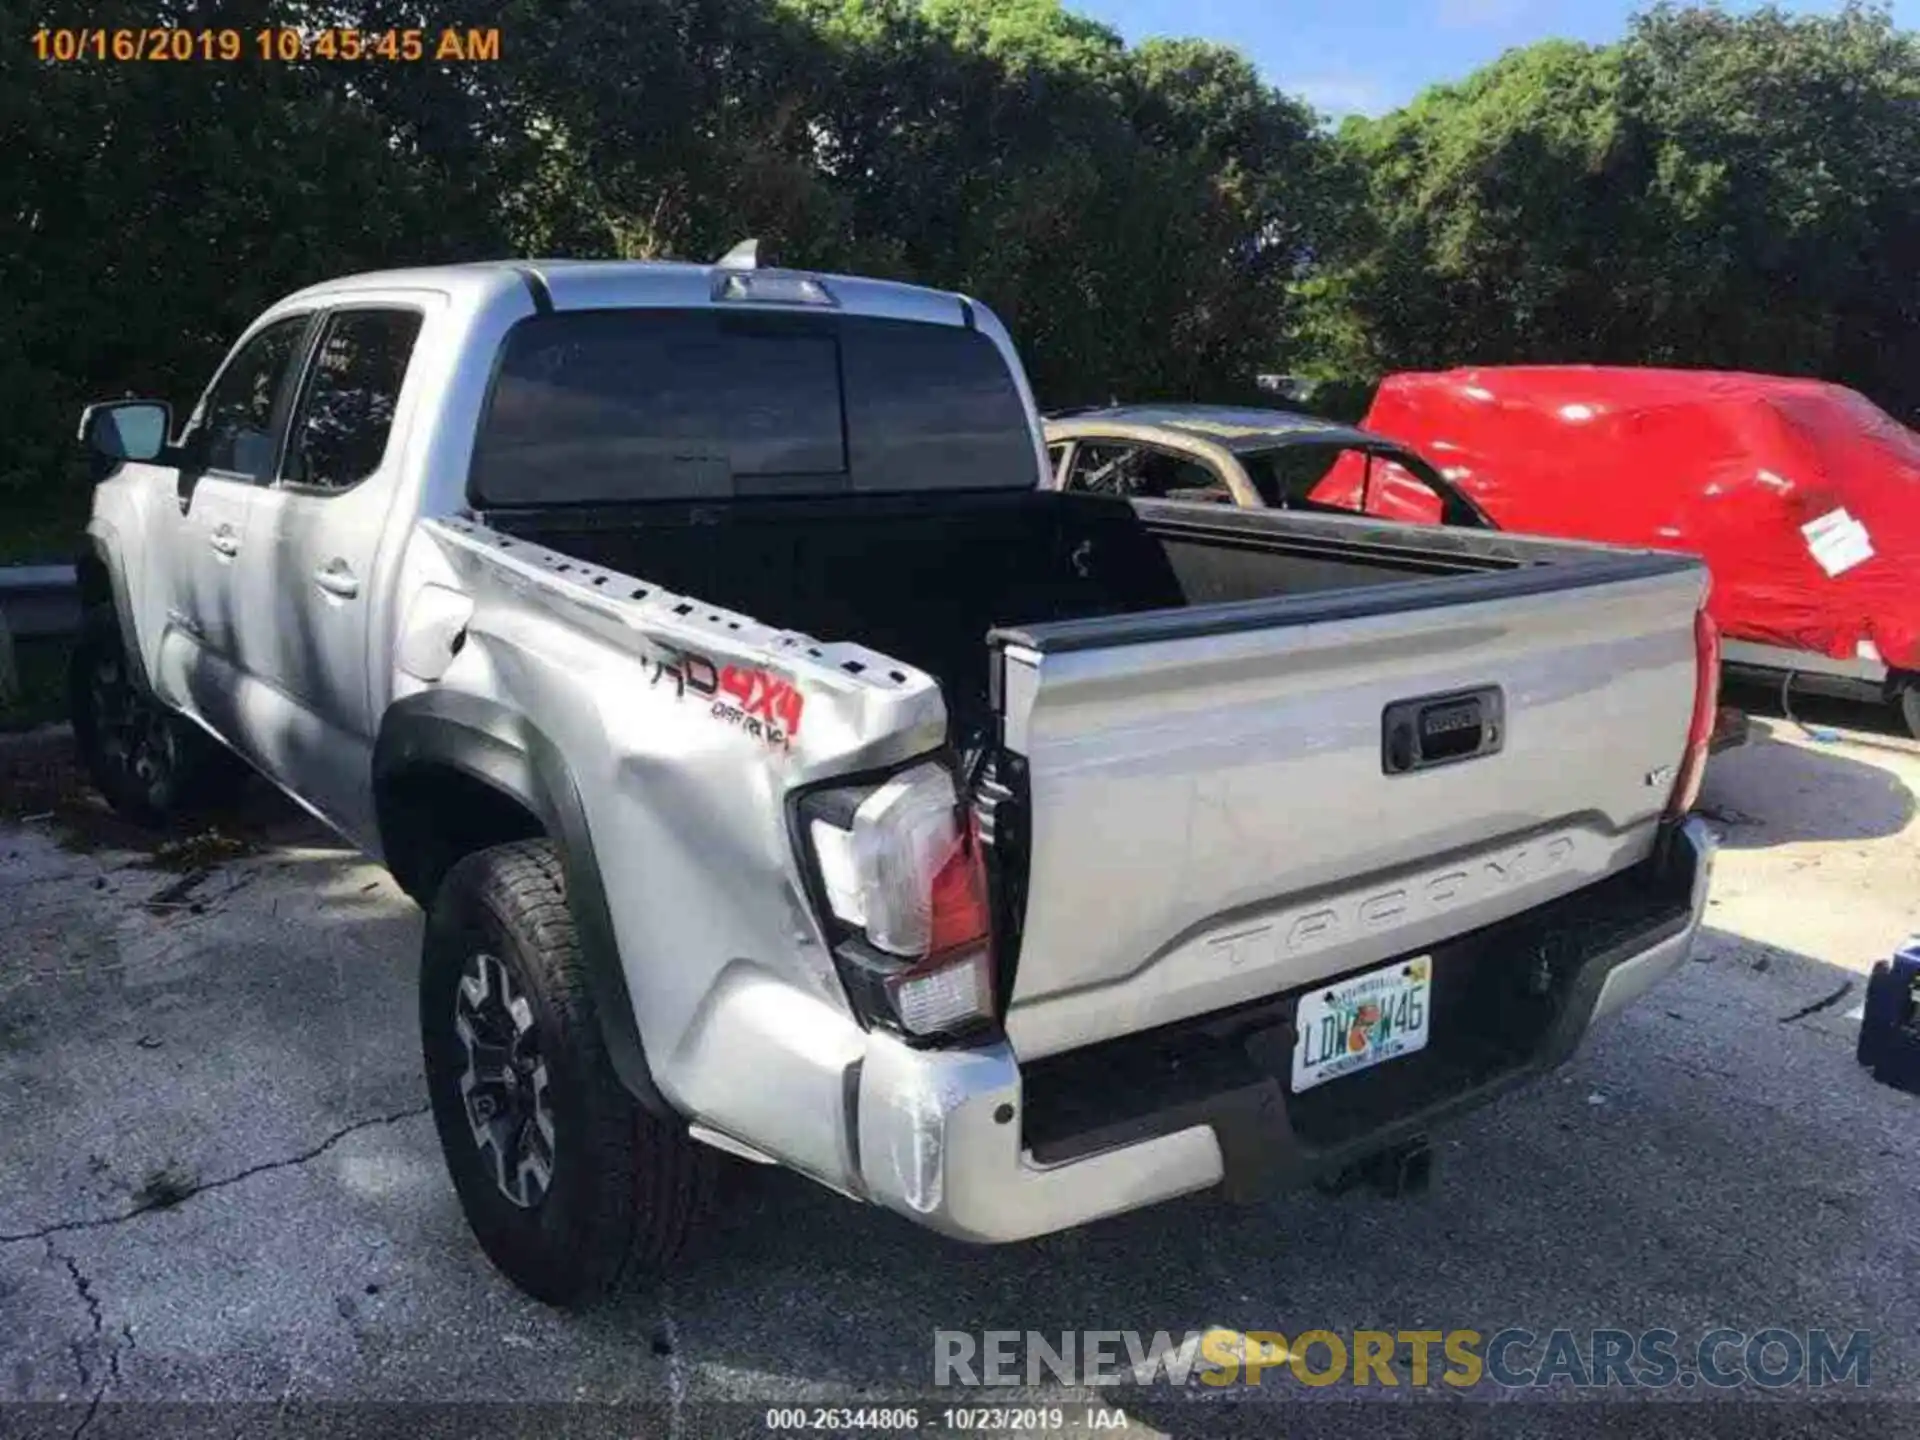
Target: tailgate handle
{"points": [[1434, 730]]}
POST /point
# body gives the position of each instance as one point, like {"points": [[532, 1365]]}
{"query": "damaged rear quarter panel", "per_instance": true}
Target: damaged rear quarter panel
{"points": [[686, 728]]}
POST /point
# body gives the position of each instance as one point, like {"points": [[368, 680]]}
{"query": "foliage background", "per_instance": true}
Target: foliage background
{"points": [[1151, 221]]}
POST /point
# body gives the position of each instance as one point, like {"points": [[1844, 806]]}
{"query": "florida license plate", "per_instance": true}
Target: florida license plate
{"points": [[1362, 1022]]}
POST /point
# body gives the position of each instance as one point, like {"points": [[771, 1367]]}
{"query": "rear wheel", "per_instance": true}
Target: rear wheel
{"points": [[1910, 707], [152, 765], [570, 1186]]}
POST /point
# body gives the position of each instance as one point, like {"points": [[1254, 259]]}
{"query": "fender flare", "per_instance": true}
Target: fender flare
{"points": [[102, 550], [485, 741]]}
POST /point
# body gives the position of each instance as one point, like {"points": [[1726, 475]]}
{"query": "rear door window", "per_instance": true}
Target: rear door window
{"points": [[636, 405], [340, 431]]}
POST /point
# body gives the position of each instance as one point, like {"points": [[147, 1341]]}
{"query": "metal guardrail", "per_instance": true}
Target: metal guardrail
{"points": [[39, 600]]}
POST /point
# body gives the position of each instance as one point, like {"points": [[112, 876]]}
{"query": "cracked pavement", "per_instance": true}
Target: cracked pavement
{"points": [[218, 1181]]}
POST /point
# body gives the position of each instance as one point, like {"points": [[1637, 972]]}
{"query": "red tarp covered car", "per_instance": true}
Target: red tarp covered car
{"points": [[1804, 497]]}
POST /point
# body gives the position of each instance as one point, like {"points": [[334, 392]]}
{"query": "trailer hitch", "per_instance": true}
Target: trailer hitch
{"points": [[1399, 1170]]}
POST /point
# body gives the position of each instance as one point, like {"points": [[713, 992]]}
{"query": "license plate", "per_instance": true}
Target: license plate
{"points": [[1360, 1023]]}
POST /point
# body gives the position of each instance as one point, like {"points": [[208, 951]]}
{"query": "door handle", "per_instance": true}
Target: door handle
{"points": [[226, 540], [337, 578]]}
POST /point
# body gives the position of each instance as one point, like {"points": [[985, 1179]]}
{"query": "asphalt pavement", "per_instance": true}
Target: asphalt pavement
{"points": [[219, 1187]]}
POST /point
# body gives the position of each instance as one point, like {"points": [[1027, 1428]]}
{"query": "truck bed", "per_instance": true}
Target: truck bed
{"points": [[1188, 719], [927, 578]]}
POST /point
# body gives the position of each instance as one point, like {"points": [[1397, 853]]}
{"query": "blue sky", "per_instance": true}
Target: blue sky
{"points": [[1366, 56]]}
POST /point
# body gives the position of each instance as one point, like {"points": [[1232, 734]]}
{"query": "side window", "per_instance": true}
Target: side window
{"points": [[1104, 469], [1295, 477], [239, 419], [339, 433], [1143, 474], [1173, 477]]}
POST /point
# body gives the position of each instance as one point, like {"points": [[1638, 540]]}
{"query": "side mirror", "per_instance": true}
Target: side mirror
{"points": [[120, 430]]}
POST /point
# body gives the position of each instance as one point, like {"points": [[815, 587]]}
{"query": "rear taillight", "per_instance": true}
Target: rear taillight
{"points": [[901, 877], [1706, 706]]}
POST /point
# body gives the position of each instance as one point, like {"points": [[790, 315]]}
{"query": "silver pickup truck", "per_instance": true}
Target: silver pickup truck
{"points": [[785, 772]]}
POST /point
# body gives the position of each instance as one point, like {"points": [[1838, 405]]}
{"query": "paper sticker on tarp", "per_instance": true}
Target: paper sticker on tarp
{"points": [[1837, 542]]}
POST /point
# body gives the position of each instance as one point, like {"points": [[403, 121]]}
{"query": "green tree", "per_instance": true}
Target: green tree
{"points": [[148, 211], [1135, 215], [1141, 217], [1717, 190], [1784, 159]]}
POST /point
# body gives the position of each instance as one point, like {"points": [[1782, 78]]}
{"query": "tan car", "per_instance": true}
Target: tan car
{"points": [[1272, 459]]}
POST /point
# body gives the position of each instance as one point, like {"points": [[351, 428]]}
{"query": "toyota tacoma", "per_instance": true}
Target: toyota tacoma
{"points": [[785, 770]]}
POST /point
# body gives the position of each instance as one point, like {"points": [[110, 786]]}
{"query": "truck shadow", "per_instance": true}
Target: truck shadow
{"points": [[42, 783], [1869, 725], [1772, 792], [1714, 1156]]}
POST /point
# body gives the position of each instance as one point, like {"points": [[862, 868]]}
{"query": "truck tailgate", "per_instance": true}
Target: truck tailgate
{"points": [[1218, 809]]}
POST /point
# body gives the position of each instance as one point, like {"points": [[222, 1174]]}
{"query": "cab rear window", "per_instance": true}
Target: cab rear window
{"points": [[622, 406]]}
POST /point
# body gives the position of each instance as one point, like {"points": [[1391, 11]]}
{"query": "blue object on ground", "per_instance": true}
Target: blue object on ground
{"points": [[1890, 1027]]}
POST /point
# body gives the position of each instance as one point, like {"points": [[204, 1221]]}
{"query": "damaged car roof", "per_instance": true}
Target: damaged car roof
{"points": [[1235, 428]]}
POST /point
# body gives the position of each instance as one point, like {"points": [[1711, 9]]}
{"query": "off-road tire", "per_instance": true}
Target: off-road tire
{"points": [[153, 766], [626, 1187]]}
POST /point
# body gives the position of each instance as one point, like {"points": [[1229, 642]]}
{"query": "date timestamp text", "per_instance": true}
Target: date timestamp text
{"points": [[66, 45]]}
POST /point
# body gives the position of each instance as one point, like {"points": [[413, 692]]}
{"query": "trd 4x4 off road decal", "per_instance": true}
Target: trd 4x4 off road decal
{"points": [[758, 701]]}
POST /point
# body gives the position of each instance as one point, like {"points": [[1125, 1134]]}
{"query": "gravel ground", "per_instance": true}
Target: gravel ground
{"points": [[219, 1187]]}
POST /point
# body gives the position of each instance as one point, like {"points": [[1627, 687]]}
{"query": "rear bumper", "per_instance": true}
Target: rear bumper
{"points": [[974, 1145]]}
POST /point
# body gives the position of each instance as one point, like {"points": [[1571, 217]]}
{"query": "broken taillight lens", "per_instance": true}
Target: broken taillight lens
{"points": [[901, 873]]}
